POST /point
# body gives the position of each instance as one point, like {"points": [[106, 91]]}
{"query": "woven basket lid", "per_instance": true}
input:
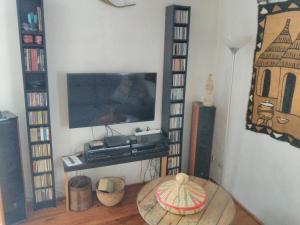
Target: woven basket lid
{"points": [[181, 196]]}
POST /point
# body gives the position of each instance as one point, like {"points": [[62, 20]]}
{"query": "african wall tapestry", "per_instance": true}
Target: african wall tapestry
{"points": [[274, 103]]}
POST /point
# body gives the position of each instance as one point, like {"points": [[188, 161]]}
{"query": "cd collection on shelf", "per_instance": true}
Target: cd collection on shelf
{"points": [[182, 16], [43, 165], [40, 150], [174, 149], [177, 94], [175, 67], [176, 122], [173, 161], [43, 195], [180, 33], [34, 60], [37, 99], [179, 65], [38, 117], [44, 180], [39, 134], [176, 109], [178, 80], [35, 76], [179, 49], [172, 172], [175, 136]]}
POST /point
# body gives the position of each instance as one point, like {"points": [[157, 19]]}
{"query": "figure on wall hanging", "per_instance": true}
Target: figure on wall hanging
{"points": [[274, 103]]}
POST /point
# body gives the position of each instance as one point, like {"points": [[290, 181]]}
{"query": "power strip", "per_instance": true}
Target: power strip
{"points": [[147, 132]]}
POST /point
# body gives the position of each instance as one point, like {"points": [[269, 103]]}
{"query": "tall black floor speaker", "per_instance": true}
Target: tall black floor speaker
{"points": [[12, 196], [201, 139]]}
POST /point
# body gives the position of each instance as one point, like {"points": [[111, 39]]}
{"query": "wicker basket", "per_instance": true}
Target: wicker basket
{"points": [[112, 199]]}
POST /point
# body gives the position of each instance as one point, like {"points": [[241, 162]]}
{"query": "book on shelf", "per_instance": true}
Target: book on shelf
{"points": [[180, 33], [174, 149], [176, 109], [175, 135], [44, 165], [182, 16], [175, 122], [37, 99], [43, 195], [44, 180], [173, 172], [40, 150], [39, 134], [34, 60], [38, 118], [173, 162], [179, 65], [178, 80], [179, 49], [177, 93]]}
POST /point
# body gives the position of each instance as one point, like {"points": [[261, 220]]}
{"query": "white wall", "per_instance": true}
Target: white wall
{"points": [[89, 36], [262, 173]]}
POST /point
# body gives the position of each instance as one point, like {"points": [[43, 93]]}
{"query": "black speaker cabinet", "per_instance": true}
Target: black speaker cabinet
{"points": [[203, 120], [12, 196]]}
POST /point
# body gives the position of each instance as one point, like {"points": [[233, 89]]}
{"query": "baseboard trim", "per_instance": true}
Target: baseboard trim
{"points": [[248, 212]]}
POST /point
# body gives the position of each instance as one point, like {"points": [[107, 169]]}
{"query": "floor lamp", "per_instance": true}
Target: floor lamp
{"points": [[234, 45]]}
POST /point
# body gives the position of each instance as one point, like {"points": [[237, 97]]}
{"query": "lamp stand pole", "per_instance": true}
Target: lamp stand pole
{"points": [[228, 117]]}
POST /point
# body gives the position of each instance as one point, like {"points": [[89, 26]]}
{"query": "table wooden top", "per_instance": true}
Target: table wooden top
{"points": [[220, 209]]}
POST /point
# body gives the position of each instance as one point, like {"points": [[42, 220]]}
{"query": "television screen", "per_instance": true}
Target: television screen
{"points": [[110, 98]]}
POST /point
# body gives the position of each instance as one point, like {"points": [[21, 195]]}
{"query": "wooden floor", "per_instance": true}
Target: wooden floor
{"points": [[126, 213]]}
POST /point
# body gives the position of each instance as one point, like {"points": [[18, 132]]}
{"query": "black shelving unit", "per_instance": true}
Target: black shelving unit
{"points": [[177, 31], [35, 79]]}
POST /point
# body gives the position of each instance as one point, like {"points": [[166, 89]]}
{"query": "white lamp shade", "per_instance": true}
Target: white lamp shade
{"points": [[237, 42]]}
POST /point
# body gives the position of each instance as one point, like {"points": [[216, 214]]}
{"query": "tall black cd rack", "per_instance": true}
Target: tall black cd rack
{"points": [[35, 78], [177, 31]]}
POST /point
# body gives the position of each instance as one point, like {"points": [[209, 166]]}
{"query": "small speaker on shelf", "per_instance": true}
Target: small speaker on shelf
{"points": [[201, 139]]}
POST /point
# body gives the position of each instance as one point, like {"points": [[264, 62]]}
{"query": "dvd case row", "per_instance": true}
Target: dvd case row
{"points": [[40, 166], [39, 134], [34, 60], [182, 16], [174, 149], [175, 122], [178, 80], [41, 150], [177, 94], [173, 172], [179, 65], [179, 49], [37, 99], [42, 181], [180, 33], [173, 162], [175, 136], [176, 109], [43, 195], [38, 117]]}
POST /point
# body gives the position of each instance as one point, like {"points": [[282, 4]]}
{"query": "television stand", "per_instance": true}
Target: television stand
{"points": [[146, 155]]}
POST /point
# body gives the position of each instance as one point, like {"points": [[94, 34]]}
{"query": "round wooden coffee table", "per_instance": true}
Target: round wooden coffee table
{"points": [[220, 209]]}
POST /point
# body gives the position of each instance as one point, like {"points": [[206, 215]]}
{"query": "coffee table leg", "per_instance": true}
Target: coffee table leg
{"points": [[164, 161], [67, 192], [2, 217]]}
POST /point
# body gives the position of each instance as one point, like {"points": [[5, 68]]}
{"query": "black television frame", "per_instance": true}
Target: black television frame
{"points": [[112, 74]]}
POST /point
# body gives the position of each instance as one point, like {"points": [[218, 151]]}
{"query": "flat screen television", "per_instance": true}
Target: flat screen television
{"points": [[97, 99]]}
